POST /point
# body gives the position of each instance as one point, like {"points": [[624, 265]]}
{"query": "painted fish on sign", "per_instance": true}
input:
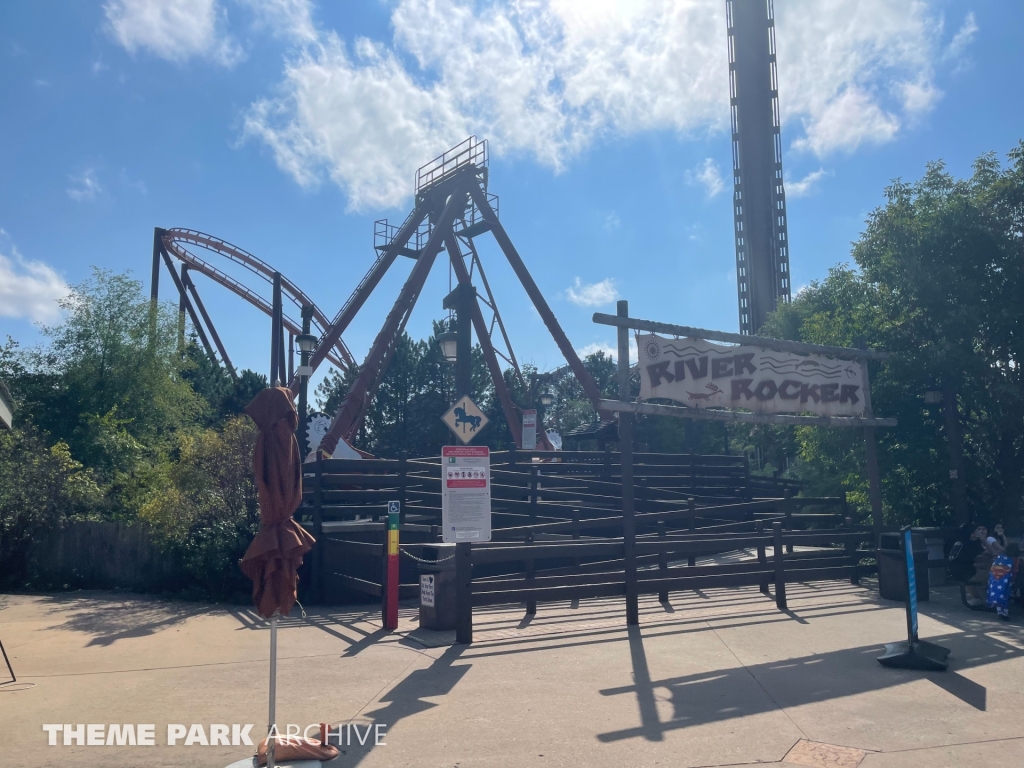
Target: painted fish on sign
{"points": [[700, 374]]}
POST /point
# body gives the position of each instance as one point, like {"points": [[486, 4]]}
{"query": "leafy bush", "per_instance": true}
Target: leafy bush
{"points": [[40, 488], [209, 512]]}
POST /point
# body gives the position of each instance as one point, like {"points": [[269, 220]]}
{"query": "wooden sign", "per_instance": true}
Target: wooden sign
{"points": [[700, 374]]}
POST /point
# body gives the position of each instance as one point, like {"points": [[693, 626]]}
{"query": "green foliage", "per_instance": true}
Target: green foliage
{"points": [[110, 385], [417, 388], [209, 511], [40, 487], [941, 272]]}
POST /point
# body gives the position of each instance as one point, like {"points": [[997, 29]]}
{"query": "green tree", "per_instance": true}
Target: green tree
{"points": [[111, 385], [40, 488], [939, 279]]}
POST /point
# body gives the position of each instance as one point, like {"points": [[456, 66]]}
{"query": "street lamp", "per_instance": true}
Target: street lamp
{"points": [[448, 341], [546, 399], [306, 342]]}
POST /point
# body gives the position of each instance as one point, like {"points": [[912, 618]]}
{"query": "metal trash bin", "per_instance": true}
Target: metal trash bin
{"points": [[892, 567], [936, 545], [437, 588]]}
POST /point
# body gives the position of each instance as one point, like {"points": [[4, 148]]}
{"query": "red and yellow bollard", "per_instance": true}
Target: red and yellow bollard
{"points": [[391, 582]]}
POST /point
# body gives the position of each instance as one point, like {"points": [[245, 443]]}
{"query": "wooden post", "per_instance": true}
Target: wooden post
{"points": [[780, 576], [749, 493], [788, 523], [317, 587], [851, 552], [533, 495], [762, 558], [531, 605], [464, 594], [691, 504], [626, 459], [662, 560], [576, 532]]}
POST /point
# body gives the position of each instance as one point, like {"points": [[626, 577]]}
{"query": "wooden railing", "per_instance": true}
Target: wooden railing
{"points": [[686, 505]]}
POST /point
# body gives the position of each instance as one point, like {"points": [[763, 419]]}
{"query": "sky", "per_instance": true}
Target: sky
{"points": [[287, 127]]}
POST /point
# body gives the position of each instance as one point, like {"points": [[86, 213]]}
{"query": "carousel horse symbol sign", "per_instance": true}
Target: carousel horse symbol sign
{"points": [[465, 419]]}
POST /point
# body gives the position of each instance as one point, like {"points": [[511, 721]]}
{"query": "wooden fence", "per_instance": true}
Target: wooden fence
{"points": [[557, 525], [102, 555]]}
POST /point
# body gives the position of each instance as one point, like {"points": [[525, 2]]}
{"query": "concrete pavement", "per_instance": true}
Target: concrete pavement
{"points": [[716, 678]]}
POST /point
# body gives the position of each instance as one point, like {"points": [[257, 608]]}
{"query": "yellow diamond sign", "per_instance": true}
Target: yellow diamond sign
{"points": [[465, 419]]}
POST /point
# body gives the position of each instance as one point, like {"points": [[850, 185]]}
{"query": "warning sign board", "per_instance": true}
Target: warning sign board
{"points": [[465, 419], [529, 430], [465, 493]]}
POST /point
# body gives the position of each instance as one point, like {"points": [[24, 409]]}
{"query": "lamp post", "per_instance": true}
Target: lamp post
{"points": [[305, 342], [541, 397], [461, 300]]}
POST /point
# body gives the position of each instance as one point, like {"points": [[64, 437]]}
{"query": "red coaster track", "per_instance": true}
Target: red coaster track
{"points": [[176, 243]]}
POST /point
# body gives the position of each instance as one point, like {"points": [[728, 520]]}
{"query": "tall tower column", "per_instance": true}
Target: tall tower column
{"points": [[759, 200]]}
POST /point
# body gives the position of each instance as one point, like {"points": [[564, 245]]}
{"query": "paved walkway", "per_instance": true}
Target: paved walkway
{"points": [[717, 678]]}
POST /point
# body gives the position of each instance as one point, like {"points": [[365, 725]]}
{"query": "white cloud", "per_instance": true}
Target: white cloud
{"points": [[85, 186], [284, 18], [609, 350], [708, 176], [851, 119], [963, 37], [593, 295], [805, 186], [29, 289], [176, 30], [547, 78], [918, 96], [611, 222]]}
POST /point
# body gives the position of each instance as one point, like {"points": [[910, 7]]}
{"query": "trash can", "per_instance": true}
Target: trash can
{"points": [[437, 587], [892, 567], [936, 545]]}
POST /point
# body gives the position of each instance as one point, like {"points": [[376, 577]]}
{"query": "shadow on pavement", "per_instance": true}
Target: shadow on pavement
{"points": [[109, 618]]}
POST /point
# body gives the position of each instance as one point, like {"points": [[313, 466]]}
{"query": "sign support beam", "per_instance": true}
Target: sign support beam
{"points": [[783, 345]]}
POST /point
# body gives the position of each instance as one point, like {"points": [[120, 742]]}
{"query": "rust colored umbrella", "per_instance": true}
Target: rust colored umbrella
{"points": [[274, 556]]}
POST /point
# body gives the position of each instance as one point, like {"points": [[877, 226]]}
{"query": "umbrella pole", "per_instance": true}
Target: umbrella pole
{"points": [[273, 691]]}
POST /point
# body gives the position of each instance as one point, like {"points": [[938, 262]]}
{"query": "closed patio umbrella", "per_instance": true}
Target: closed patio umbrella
{"points": [[274, 556]]}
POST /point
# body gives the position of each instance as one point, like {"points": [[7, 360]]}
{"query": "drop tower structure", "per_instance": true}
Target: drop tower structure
{"points": [[759, 200]]}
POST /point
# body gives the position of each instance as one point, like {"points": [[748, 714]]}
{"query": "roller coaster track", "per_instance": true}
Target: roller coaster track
{"points": [[175, 242]]}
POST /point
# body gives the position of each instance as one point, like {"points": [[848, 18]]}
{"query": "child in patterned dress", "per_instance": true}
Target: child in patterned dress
{"points": [[1000, 580]]}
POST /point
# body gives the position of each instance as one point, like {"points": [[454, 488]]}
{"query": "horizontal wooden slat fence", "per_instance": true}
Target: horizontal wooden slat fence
{"points": [[557, 521]]}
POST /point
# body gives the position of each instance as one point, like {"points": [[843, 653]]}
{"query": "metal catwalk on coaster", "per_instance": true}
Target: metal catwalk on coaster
{"points": [[452, 208]]}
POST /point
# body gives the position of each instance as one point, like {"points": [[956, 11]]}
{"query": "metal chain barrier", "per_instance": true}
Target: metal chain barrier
{"points": [[410, 555]]}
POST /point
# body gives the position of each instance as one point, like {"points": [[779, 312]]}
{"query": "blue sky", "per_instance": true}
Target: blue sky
{"points": [[287, 127]]}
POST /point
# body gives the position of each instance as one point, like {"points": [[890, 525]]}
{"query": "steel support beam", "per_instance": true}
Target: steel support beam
{"points": [[347, 416], [486, 346], [182, 298], [190, 284], [505, 243], [188, 306], [276, 353], [364, 289]]}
